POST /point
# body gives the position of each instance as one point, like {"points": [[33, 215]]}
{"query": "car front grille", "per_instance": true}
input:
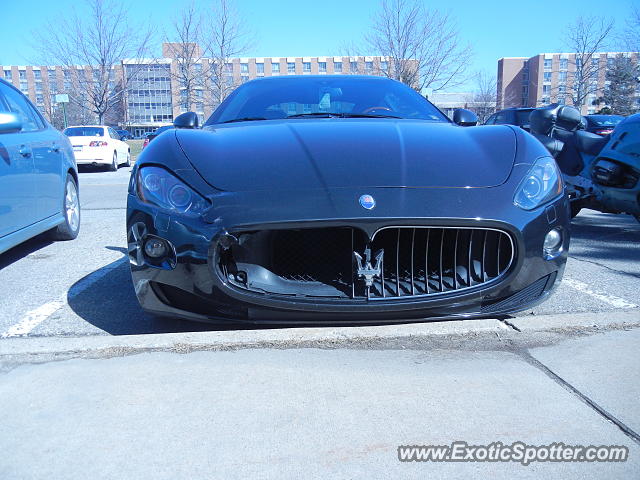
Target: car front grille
{"points": [[398, 262]]}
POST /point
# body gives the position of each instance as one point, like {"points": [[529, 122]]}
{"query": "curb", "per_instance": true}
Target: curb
{"points": [[292, 337]]}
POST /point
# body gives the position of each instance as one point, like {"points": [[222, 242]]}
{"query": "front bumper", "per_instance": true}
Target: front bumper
{"points": [[191, 288]]}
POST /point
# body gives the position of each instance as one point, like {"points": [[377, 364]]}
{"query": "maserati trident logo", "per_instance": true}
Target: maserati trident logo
{"points": [[367, 201], [367, 270]]}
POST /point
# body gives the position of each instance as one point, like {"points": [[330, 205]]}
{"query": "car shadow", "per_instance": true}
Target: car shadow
{"points": [[105, 298], [606, 237], [25, 248]]}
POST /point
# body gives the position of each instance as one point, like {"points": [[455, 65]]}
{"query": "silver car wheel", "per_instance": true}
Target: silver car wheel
{"points": [[72, 205]]}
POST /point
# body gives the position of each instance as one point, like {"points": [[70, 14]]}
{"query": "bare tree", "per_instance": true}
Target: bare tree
{"points": [[184, 46], [485, 96], [423, 46], [631, 33], [97, 42], [586, 37], [225, 36]]}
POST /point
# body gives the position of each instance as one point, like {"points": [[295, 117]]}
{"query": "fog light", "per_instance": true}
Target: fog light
{"points": [[552, 243], [155, 248]]}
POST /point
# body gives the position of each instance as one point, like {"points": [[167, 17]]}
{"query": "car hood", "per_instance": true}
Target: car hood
{"points": [[336, 153]]}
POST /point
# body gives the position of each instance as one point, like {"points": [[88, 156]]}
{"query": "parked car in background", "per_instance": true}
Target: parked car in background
{"points": [[511, 116], [38, 174], [98, 145], [602, 124], [151, 136], [124, 135]]}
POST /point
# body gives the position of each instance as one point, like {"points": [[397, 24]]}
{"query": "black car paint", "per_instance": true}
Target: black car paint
{"points": [[421, 153]]}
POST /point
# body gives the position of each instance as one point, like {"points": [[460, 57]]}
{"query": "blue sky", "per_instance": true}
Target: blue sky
{"points": [[496, 28]]}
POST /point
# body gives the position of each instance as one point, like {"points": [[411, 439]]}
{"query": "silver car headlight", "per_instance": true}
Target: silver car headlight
{"points": [[158, 187], [540, 185]]}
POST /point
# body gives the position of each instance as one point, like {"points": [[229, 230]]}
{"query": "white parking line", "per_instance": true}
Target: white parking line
{"points": [[606, 298], [35, 317]]}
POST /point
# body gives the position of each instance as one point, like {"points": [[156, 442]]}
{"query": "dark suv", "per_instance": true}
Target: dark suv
{"points": [[511, 116]]}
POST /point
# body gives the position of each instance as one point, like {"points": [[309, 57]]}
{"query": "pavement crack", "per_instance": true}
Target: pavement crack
{"points": [[531, 360], [602, 265], [509, 324]]}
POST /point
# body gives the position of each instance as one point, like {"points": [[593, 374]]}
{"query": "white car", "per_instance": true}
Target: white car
{"points": [[98, 145]]}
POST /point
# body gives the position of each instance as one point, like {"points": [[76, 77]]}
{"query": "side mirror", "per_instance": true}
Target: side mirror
{"points": [[10, 123], [186, 120], [464, 118]]}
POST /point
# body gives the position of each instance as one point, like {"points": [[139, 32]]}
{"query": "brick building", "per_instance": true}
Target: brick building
{"points": [[549, 78]]}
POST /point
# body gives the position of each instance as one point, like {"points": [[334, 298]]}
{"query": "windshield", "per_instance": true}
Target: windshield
{"points": [[313, 96], [84, 132]]}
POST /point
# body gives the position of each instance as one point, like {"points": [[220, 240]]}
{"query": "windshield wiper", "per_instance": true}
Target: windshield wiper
{"points": [[245, 119], [367, 115], [339, 115], [314, 114]]}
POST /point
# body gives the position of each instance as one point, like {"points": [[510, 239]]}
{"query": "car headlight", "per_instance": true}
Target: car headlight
{"points": [[541, 185], [158, 187]]}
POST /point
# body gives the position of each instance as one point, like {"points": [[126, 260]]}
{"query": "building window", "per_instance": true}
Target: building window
{"points": [[337, 67], [545, 100], [38, 87], [306, 108], [561, 89], [260, 68], [291, 109], [564, 63], [198, 67], [229, 68], [291, 67], [24, 87], [546, 76], [199, 107], [22, 74], [354, 67], [546, 89], [562, 77], [322, 67], [244, 68], [368, 66], [306, 67], [7, 75], [595, 62], [525, 76], [547, 63], [39, 99], [67, 74], [275, 68], [37, 74], [561, 100]]}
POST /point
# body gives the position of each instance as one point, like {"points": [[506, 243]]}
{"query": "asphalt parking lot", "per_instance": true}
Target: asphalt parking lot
{"points": [[82, 369]]}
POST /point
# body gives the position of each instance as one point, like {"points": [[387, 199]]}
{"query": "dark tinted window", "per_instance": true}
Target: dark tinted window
{"points": [[604, 120], [284, 97], [501, 117], [84, 132], [491, 120], [522, 117]]}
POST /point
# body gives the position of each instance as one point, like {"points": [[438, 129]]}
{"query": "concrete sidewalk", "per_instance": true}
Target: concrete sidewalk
{"points": [[335, 405]]}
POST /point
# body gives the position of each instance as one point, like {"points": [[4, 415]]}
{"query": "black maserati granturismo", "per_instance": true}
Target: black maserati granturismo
{"points": [[343, 198]]}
